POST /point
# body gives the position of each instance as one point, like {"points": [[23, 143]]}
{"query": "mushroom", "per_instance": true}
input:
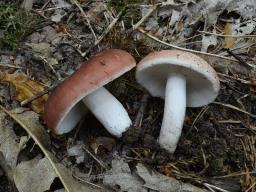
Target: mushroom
{"points": [[66, 105], [182, 79]]}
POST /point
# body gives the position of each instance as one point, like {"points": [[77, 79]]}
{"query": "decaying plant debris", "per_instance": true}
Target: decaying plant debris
{"points": [[44, 43]]}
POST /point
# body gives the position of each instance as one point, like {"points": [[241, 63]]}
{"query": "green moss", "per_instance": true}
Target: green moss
{"points": [[15, 23], [120, 4], [131, 13]]}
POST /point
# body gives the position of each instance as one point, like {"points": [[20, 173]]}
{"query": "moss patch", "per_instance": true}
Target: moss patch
{"points": [[131, 13], [15, 23]]}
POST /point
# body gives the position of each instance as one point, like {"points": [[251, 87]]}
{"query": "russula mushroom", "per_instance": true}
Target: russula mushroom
{"points": [[66, 105], [182, 79]]}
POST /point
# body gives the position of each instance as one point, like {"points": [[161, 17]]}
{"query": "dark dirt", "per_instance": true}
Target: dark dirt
{"points": [[5, 185]]}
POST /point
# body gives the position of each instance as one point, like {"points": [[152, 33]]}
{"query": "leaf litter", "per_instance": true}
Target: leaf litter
{"points": [[29, 121], [35, 175], [25, 89], [9, 145], [142, 179]]}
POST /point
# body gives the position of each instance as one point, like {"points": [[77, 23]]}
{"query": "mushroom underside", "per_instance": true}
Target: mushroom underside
{"points": [[105, 107], [181, 83]]}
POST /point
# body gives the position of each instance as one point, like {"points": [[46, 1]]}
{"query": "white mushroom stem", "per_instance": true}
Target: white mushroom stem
{"points": [[108, 110], [174, 112]]}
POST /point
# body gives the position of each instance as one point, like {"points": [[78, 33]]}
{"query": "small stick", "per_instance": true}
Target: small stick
{"points": [[10, 66], [88, 182], [239, 59], [44, 6], [238, 47], [199, 116], [251, 187], [139, 116], [78, 129], [51, 67], [86, 18], [3, 52], [95, 158], [209, 186], [236, 78], [111, 25], [235, 108], [36, 96], [184, 49], [236, 174], [184, 40], [170, 3], [222, 35], [230, 121], [144, 17], [40, 14]]}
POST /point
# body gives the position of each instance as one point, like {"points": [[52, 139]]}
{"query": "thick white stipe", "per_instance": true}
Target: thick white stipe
{"points": [[108, 110], [174, 112]]}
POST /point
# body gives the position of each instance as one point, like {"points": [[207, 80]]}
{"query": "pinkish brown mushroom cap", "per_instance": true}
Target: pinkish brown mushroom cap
{"points": [[202, 80], [95, 73]]}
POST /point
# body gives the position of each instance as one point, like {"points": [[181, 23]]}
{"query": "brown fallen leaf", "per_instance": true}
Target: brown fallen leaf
{"points": [[25, 89]]}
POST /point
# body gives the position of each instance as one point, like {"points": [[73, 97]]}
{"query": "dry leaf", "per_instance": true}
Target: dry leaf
{"points": [[159, 182], [207, 41], [9, 147], [120, 176], [43, 51], [229, 41], [174, 18], [61, 4], [246, 8], [27, 88], [243, 28], [29, 121], [77, 151], [35, 175]]}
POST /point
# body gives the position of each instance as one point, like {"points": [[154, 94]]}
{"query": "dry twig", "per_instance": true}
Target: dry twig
{"points": [[236, 78], [36, 96], [139, 116], [111, 25], [10, 66], [241, 61], [184, 49], [144, 17], [95, 158], [199, 116], [82, 180], [86, 18], [222, 35], [211, 187], [51, 67], [235, 108]]}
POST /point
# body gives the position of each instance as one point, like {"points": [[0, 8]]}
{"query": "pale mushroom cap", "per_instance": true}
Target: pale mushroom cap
{"points": [[63, 103], [202, 81]]}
